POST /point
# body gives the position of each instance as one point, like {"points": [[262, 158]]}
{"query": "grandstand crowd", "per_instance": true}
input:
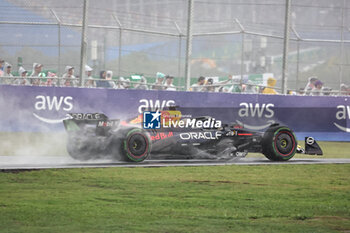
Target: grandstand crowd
{"points": [[37, 77]]}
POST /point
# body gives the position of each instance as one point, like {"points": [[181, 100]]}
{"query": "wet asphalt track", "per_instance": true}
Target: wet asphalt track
{"points": [[42, 162]]}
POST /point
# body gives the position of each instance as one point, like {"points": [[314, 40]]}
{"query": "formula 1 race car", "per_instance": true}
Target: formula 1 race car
{"points": [[95, 136]]}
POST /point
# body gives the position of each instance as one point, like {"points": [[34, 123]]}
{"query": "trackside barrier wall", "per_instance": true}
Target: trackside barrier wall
{"points": [[41, 109]]}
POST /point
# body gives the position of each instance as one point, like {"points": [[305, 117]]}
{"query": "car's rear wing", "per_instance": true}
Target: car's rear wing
{"points": [[78, 121], [87, 116]]}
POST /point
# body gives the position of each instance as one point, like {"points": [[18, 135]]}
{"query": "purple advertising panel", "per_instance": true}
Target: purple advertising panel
{"points": [[42, 109]]}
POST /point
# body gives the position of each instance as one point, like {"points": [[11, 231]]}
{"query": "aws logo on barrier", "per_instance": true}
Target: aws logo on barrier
{"points": [[150, 105], [343, 113], [52, 103], [256, 110]]}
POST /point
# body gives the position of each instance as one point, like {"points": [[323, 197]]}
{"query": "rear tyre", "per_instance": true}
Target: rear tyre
{"points": [[136, 146], [279, 143]]}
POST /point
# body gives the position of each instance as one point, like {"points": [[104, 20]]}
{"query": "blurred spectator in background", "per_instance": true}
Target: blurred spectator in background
{"points": [[143, 84], [230, 85], [271, 82], [101, 82], [327, 91], [199, 86], [2, 61], [1, 69], [169, 86], [209, 85], [120, 83], [310, 85], [68, 78], [291, 92], [345, 89], [7, 74], [123, 83], [88, 71], [23, 74], [249, 87], [225, 89], [109, 76], [301, 91], [8, 70], [126, 84], [89, 82], [51, 79], [237, 88], [158, 85], [222, 88], [318, 89], [37, 68]]}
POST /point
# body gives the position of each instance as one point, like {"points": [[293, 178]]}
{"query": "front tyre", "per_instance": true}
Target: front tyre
{"points": [[136, 146], [279, 143]]}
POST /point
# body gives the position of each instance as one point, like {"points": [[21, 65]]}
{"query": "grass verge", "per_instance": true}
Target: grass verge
{"points": [[286, 198]]}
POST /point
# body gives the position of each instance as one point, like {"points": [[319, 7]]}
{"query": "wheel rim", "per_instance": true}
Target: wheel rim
{"points": [[284, 143], [137, 145]]}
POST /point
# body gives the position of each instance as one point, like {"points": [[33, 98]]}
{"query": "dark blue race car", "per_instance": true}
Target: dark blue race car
{"points": [[95, 136]]}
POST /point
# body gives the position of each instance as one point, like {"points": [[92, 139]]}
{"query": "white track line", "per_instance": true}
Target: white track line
{"points": [[13, 163]]}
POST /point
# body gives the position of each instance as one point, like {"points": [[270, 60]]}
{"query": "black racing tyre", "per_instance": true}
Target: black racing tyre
{"points": [[136, 146], [279, 143]]}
